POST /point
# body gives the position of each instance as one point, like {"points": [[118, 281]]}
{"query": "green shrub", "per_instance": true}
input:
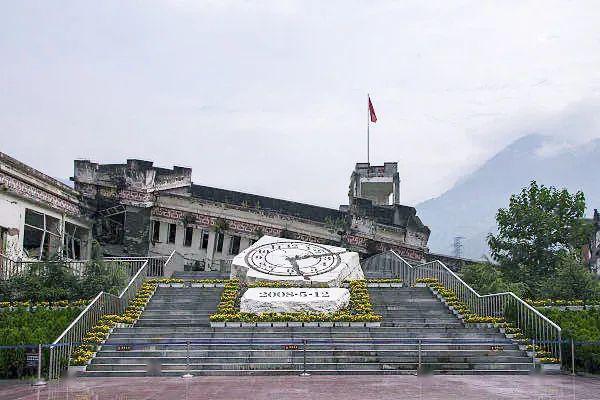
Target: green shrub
{"points": [[21, 326], [581, 326]]}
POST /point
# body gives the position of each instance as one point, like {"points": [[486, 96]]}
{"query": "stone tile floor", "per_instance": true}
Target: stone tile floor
{"points": [[314, 387]]}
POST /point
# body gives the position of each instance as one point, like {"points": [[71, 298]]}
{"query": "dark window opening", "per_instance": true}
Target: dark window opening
{"points": [[172, 233], [156, 231], [189, 234], [220, 238], [204, 240], [34, 219], [234, 245], [75, 241], [41, 236], [32, 242]]}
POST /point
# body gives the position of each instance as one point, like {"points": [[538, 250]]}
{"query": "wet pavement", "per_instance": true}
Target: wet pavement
{"points": [[346, 387]]}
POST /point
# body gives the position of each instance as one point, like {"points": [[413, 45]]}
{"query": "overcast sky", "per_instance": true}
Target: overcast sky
{"points": [[270, 97]]}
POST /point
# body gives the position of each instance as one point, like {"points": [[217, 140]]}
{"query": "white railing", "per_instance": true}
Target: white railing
{"points": [[534, 324], [155, 264], [103, 304], [61, 349], [10, 268]]}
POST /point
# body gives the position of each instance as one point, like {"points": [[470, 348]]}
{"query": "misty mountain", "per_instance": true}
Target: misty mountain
{"points": [[469, 208]]}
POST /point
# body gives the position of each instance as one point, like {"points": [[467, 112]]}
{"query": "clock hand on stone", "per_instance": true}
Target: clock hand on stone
{"points": [[318, 255], [296, 267], [294, 261]]}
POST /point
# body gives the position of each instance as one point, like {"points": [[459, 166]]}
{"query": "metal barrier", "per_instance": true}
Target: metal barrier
{"points": [[417, 349], [156, 264], [10, 268], [507, 305]]}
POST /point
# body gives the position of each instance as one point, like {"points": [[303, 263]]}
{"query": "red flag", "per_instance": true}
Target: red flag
{"points": [[372, 111]]}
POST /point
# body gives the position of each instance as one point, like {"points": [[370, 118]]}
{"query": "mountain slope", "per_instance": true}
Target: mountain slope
{"points": [[469, 208]]}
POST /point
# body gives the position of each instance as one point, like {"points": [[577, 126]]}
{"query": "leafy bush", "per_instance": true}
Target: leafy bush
{"points": [[51, 282], [581, 326], [21, 326]]}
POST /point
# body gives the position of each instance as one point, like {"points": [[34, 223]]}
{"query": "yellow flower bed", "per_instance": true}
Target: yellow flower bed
{"points": [[99, 332], [360, 308]]}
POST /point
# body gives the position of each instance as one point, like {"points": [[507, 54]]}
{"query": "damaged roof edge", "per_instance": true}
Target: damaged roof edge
{"points": [[302, 210]]}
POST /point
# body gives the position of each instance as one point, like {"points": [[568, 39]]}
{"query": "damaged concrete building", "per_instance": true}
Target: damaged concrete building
{"points": [[40, 217], [140, 209]]}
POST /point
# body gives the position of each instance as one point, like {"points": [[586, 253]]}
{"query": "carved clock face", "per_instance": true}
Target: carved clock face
{"points": [[309, 259]]}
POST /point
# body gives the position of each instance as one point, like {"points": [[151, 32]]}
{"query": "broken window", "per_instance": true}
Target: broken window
{"points": [[220, 239], [3, 239], [234, 245], [156, 231], [204, 244], [110, 224], [41, 236], [75, 241], [172, 233], [189, 234]]}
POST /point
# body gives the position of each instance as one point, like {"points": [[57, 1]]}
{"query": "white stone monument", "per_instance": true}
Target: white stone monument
{"points": [[303, 263], [261, 300]]}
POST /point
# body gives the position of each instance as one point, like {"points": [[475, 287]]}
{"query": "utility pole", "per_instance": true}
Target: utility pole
{"points": [[458, 246]]}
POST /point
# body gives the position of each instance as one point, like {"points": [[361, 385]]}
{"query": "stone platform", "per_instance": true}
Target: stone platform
{"points": [[312, 387]]}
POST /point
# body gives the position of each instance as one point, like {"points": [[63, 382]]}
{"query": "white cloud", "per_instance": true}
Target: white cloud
{"points": [[269, 97]]}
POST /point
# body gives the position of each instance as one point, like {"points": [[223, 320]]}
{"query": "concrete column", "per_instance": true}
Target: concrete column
{"points": [[396, 196], [210, 250]]}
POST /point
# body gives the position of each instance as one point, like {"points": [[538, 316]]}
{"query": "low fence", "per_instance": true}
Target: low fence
{"points": [[507, 305], [300, 353], [10, 268]]}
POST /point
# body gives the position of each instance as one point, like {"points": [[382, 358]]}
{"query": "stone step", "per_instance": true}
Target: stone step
{"points": [[313, 366], [291, 330], [403, 331], [269, 347], [266, 372], [461, 354], [406, 334], [298, 356]]}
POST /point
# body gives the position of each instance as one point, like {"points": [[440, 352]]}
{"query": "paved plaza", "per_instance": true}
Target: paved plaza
{"points": [[313, 387]]}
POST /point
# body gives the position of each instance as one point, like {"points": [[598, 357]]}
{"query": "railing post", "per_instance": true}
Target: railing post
{"points": [[304, 373], [187, 367], [572, 357], [533, 355], [420, 361], [39, 381]]}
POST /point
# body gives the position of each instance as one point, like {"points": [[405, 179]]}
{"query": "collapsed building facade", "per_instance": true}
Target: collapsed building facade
{"points": [[40, 217], [140, 209], [136, 209]]}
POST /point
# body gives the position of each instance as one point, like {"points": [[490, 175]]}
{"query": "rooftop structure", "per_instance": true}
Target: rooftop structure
{"points": [[380, 184]]}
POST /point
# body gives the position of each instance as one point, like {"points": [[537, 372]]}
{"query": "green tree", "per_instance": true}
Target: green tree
{"points": [[573, 280], [100, 275], [539, 225], [485, 278]]}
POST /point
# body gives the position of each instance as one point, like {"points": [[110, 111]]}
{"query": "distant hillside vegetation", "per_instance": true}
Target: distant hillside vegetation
{"points": [[469, 208]]}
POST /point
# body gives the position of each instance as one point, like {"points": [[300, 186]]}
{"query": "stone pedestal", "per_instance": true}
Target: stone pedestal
{"points": [[264, 300]]}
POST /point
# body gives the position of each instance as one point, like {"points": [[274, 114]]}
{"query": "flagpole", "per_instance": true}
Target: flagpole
{"points": [[368, 125]]}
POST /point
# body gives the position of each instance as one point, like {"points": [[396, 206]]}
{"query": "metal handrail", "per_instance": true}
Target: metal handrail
{"points": [[10, 267], [103, 304], [507, 305]]}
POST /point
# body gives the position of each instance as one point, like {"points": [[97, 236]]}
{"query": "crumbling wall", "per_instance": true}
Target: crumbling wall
{"points": [[136, 238]]}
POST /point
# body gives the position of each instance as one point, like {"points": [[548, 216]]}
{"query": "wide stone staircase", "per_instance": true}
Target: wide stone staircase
{"points": [[413, 319]]}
